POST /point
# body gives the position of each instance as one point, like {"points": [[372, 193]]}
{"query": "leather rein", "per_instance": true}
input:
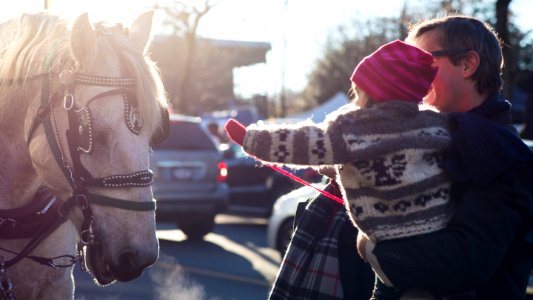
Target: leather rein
{"points": [[45, 211]]}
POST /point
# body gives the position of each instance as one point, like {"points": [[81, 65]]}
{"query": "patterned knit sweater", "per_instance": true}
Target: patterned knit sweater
{"points": [[387, 161]]}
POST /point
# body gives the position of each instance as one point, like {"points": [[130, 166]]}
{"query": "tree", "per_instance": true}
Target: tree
{"points": [[502, 27], [346, 48], [343, 52], [183, 20]]}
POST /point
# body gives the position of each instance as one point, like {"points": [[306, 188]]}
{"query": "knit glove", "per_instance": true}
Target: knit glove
{"points": [[235, 131]]}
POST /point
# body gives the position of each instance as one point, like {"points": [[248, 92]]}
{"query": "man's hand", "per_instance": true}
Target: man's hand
{"points": [[235, 130]]}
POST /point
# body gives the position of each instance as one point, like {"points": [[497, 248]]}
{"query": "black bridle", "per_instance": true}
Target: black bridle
{"points": [[79, 178]]}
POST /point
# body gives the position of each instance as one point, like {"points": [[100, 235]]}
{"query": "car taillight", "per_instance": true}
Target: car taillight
{"points": [[222, 171]]}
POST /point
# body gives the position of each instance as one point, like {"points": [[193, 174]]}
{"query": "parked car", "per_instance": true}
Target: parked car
{"points": [[254, 187], [281, 222], [189, 177]]}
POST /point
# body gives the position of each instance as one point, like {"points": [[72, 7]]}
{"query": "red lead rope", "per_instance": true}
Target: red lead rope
{"points": [[298, 179]]}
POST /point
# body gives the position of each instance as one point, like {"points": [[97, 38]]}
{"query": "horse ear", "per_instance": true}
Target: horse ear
{"points": [[140, 30], [82, 40]]}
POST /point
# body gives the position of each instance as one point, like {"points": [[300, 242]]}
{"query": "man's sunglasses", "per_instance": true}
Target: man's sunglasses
{"points": [[449, 52]]}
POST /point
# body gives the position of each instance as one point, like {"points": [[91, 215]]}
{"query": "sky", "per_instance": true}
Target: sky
{"points": [[296, 29]]}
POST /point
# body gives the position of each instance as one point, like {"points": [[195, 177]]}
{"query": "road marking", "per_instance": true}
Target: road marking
{"points": [[236, 219], [170, 265], [227, 276], [267, 268]]}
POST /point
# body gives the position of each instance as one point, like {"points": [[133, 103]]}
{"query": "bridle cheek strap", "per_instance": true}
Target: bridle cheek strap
{"points": [[80, 173]]}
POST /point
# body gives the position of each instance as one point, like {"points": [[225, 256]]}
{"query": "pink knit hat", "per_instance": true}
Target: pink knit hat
{"points": [[396, 71]]}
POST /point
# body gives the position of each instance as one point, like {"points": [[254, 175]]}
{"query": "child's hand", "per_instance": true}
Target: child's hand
{"points": [[328, 171], [361, 245], [235, 130]]}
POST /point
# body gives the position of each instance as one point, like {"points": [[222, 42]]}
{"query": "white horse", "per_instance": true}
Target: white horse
{"points": [[79, 107]]}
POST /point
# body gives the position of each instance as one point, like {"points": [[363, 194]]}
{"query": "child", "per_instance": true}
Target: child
{"points": [[386, 152]]}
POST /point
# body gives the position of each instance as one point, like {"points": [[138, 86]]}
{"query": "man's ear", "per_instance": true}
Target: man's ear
{"points": [[470, 64]]}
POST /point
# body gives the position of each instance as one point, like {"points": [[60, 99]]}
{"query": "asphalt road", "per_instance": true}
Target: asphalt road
{"points": [[233, 262]]}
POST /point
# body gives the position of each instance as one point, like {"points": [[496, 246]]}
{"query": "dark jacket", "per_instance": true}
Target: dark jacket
{"points": [[488, 243]]}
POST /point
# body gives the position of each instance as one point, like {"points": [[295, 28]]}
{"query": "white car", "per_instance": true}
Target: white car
{"points": [[280, 224]]}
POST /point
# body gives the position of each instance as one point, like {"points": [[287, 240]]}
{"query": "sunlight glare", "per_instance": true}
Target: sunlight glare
{"points": [[115, 11]]}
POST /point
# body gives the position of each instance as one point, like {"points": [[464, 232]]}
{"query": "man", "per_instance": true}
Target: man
{"points": [[487, 246]]}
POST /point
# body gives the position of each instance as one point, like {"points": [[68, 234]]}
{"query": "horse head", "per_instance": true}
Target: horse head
{"points": [[102, 106]]}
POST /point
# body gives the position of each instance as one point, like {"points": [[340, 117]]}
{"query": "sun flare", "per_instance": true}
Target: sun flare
{"points": [[120, 11]]}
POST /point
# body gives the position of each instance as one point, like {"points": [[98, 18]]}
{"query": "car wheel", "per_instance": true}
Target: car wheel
{"points": [[284, 236], [196, 229]]}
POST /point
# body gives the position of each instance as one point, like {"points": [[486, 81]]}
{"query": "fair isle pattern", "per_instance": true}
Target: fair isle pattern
{"points": [[320, 147], [389, 158], [414, 214], [356, 142], [393, 170], [380, 231], [408, 187], [282, 139]]}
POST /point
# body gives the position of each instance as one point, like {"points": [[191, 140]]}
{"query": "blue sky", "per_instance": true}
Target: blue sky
{"points": [[297, 31]]}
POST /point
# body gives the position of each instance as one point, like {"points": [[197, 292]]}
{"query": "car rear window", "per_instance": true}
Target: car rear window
{"points": [[187, 136]]}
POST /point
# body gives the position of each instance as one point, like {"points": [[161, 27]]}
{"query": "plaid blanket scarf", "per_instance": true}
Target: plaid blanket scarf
{"points": [[310, 267]]}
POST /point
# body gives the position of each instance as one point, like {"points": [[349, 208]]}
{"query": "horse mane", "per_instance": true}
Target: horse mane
{"points": [[26, 42], [32, 38], [37, 43]]}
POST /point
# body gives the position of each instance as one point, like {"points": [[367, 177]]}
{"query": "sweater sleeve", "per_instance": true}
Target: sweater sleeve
{"points": [[304, 144], [299, 144], [346, 135]]}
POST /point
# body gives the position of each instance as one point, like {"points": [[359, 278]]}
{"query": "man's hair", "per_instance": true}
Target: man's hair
{"points": [[465, 32]]}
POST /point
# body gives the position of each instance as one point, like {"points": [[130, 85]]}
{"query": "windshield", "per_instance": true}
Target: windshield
{"points": [[187, 136]]}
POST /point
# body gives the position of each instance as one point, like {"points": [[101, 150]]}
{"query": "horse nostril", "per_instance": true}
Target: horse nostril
{"points": [[128, 268], [130, 264], [127, 260]]}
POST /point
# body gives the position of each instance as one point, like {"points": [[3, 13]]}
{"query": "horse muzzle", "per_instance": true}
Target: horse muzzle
{"points": [[129, 264]]}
